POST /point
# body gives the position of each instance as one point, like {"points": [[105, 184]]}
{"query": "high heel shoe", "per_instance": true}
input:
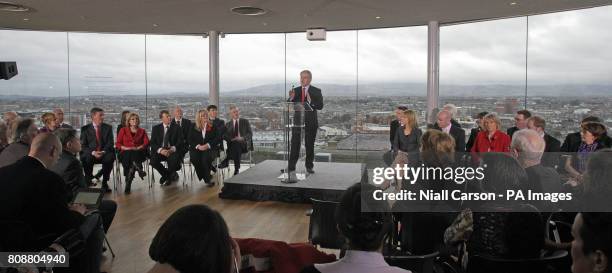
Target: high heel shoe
{"points": [[140, 170]]}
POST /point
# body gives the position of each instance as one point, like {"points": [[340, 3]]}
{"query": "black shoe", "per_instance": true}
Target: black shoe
{"points": [[105, 188], [310, 171], [140, 171], [98, 175], [163, 180], [213, 169], [224, 164], [236, 172], [128, 188]]}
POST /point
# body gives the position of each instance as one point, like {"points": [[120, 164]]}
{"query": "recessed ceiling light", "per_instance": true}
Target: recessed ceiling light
{"points": [[26, 19], [378, 17], [512, 3], [6, 6], [249, 11], [155, 25]]}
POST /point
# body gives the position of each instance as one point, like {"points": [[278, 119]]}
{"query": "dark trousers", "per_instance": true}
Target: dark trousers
{"points": [[309, 139], [235, 149], [107, 210], [174, 163], [90, 259], [128, 158], [202, 161], [106, 160]]}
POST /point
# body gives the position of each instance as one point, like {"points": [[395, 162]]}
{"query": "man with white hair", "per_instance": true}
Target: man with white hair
{"points": [[444, 124], [528, 147], [59, 118]]}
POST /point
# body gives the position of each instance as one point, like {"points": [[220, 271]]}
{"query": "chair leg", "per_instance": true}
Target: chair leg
{"points": [[109, 246]]}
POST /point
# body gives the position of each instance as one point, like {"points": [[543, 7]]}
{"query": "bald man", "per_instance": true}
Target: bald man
{"points": [[444, 124]]}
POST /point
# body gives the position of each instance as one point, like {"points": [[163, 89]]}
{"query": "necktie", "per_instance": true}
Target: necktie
{"points": [[303, 93], [166, 136], [97, 137], [236, 131]]}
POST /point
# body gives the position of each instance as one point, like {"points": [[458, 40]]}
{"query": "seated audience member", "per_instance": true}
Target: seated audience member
{"points": [[218, 124], [59, 115], [474, 132], [3, 136], [396, 123], [238, 135], [572, 141], [24, 130], [202, 138], [552, 148], [575, 164], [492, 139], [49, 122], [124, 121], [592, 246], [32, 194], [166, 143], [597, 191], [496, 231], [9, 117], [70, 169], [520, 122], [133, 144], [407, 139], [444, 124], [184, 124], [194, 239], [452, 109], [365, 233], [97, 147], [528, 148]]}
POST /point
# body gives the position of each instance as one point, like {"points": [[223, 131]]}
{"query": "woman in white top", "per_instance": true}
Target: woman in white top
{"points": [[365, 233]]}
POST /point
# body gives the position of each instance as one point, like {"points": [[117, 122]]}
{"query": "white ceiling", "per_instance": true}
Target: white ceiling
{"points": [[199, 16]]}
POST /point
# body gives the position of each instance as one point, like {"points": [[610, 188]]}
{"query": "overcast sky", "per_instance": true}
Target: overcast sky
{"points": [[564, 48]]}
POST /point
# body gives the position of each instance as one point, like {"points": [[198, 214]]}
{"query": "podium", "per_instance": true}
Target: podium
{"points": [[294, 123]]}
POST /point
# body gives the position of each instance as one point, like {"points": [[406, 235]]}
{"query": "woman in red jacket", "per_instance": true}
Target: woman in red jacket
{"points": [[491, 139], [132, 143]]}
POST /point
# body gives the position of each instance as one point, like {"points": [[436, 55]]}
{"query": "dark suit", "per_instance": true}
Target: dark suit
{"points": [[393, 130], [311, 126], [90, 144], [202, 160], [235, 149], [36, 196], [185, 125], [175, 139], [458, 134], [70, 169], [551, 151], [512, 130], [473, 133], [65, 126], [543, 179]]}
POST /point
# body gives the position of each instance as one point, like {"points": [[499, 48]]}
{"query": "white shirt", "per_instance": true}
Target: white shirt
{"points": [[360, 262], [306, 95], [447, 128], [166, 128], [203, 137], [178, 121], [238, 125]]}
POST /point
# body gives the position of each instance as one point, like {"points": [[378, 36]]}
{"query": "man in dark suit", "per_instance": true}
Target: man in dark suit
{"points": [[520, 121], [98, 147], [395, 123], [185, 124], [219, 125], [553, 146], [444, 124], [305, 94], [474, 132], [167, 142], [36, 196], [70, 169], [239, 137], [59, 118]]}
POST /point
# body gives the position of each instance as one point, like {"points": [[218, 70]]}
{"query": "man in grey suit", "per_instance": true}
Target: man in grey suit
{"points": [[239, 137]]}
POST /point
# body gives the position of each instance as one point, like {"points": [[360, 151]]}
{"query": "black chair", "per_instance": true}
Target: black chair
{"points": [[323, 230], [549, 263], [414, 263]]}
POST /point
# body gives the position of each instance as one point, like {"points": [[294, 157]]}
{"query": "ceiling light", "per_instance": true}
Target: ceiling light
{"points": [[26, 19], [155, 25], [378, 17], [249, 11], [6, 6], [512, 3]]}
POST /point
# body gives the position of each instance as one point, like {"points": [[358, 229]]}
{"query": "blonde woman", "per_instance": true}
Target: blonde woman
{"points": [[406, 142], [49, 122], [201, 138]]}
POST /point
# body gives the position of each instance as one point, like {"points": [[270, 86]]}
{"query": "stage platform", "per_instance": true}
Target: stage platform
{"points": [[261, 183]]}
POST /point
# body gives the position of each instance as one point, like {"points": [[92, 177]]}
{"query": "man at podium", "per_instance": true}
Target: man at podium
{"points": [[305, 94]]}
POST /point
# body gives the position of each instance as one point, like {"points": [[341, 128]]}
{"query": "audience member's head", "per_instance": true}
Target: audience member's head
{"points": [[597, 175], [234, 112], [591, 119], [451, 108], [212, 111], [502, 172], [537, 124], [520, 119], [49, 120], [194, 239], [3, 134], [9, 117], [164, 115], [437, 148], [24, 130], [592, 131], [69, 140], [365, 231], [178, 112], [133, 120], [59, 115], [124, 118], [47, 148], [479, 118], [399, 110], [444, 119], [592, 245], [409, 119], [201, 119], [97, 115], [528, 147], [491, 122]]}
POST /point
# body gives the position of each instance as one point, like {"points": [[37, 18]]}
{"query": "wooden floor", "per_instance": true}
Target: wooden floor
{"points": [[141, 213]]}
